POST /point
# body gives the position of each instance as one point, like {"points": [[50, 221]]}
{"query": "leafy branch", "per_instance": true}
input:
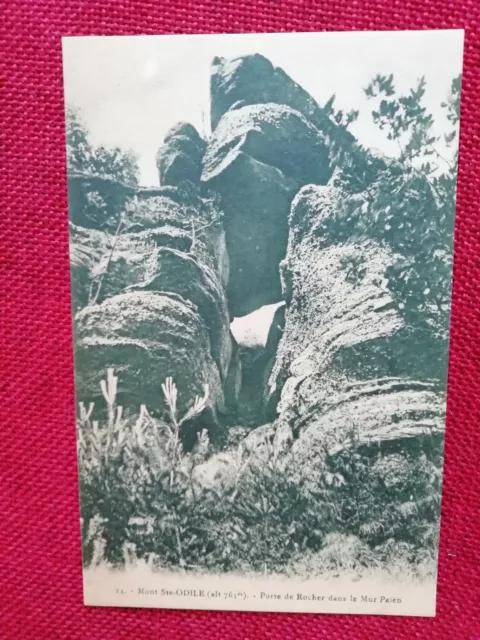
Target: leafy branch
{"points": [[406, 120]]}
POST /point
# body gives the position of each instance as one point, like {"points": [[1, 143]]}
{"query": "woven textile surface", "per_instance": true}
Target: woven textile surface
{"points": [[40, 568]]}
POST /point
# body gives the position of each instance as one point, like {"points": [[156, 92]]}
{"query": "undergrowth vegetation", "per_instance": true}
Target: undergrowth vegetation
{"points": [[144, 499]]}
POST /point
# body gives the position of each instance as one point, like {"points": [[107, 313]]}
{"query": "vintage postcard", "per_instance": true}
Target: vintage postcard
{"points": [[261, 240]]}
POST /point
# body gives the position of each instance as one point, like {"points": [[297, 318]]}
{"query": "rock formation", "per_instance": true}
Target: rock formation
{"points": [[180, 156], [149, 273], [347, 364], [146, 336], [256, 160], [259, 214], [253, 80]]}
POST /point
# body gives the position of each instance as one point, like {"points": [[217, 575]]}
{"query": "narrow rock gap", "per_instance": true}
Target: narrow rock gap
{"points": [[256, 353]]}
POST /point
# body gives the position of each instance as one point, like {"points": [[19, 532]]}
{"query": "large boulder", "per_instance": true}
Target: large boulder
{"points": [[255, 198], [197, 221], [106, 263], [99, 202], [255, 161], [272, 134], [253, 79], [149, 279], [103, 266], [180, 273], [381, 412], [145, 337], [334, 288], [348, 359], [179, 158]]}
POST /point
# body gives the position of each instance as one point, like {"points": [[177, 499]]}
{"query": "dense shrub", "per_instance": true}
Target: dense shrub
{"points": [[141, 497]]}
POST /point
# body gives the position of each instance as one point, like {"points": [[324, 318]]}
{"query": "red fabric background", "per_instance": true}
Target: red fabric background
{"points": [[40, 570]]}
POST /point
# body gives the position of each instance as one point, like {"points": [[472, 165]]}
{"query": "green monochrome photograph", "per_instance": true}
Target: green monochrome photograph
{"points": [[261, 249]]}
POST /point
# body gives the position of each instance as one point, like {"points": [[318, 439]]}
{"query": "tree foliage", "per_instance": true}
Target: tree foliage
{"points": [[341, 118], [83, 157], [406, 120], [409, 201]]}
